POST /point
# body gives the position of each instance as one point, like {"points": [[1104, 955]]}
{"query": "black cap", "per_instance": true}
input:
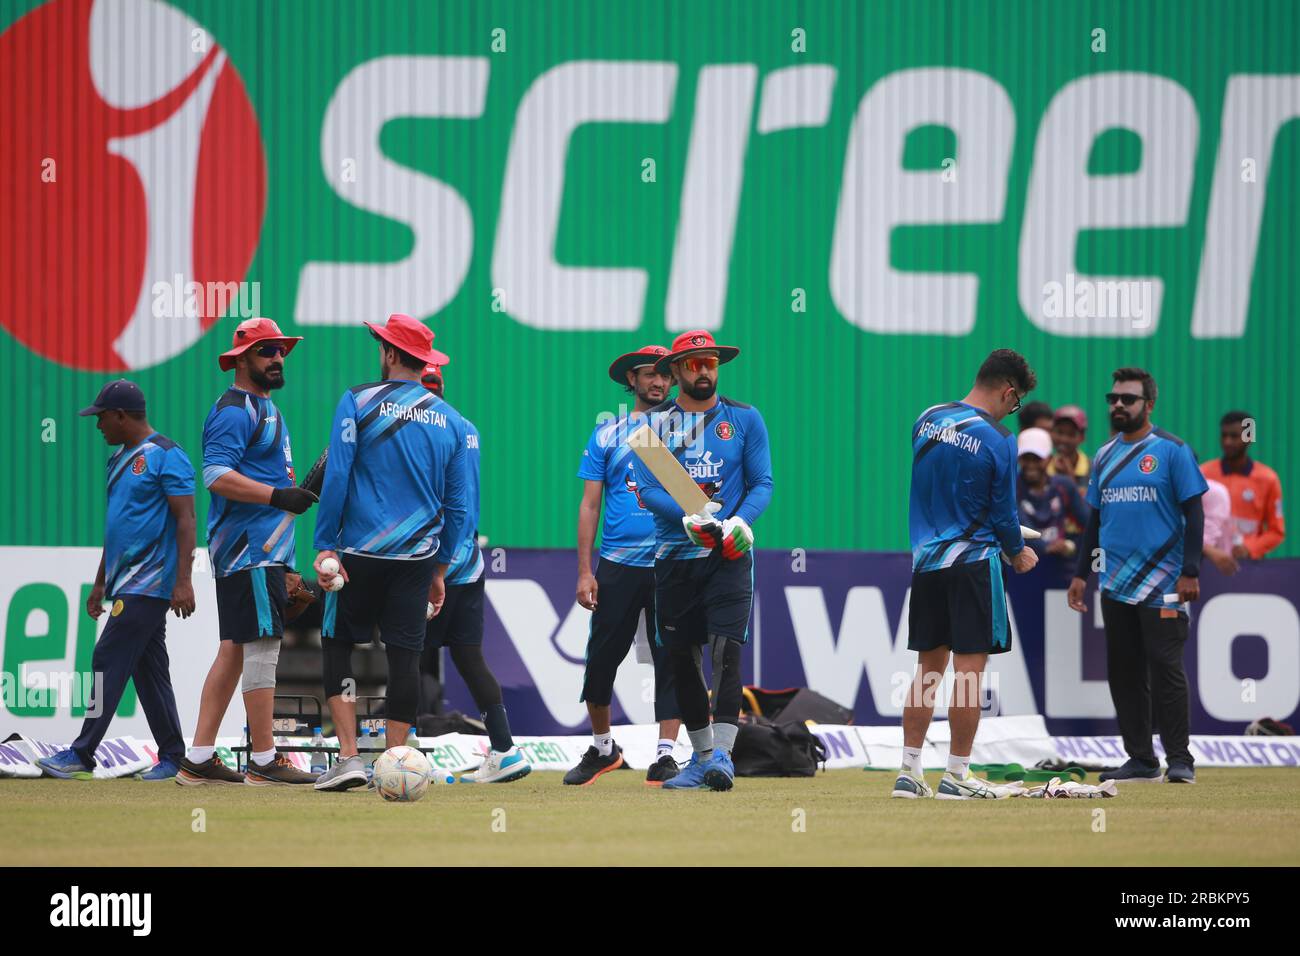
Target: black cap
{"points": [[120, 395]]}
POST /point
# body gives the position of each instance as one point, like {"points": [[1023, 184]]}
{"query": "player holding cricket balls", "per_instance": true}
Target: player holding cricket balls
{"points": [[964, 523], [621, 594], [704, 565]]}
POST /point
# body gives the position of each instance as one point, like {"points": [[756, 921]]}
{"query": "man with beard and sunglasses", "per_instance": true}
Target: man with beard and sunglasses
{"points": [[1147, 518], [393, 512], [248, 469], [704, 563], [621, 594]]}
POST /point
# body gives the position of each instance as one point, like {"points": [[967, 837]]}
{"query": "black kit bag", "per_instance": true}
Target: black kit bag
{"points": [[767, 749]]}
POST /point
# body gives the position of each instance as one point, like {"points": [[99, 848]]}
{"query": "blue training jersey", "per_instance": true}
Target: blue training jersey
{"points": [[725, 450], [1140, 488], [395, 479], [246, 433], [467, 563], [140, 529], [963, 500], [627, 533]]}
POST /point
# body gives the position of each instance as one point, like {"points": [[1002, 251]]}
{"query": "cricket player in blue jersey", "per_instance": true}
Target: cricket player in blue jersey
{"points": [[149, 538], [704, 563], [459, 625], [393, 511], [1144, 538], [248, 469], [964, 522], [621, 593]]}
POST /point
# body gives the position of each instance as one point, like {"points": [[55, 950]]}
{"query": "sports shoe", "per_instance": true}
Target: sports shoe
{"points": [[720, 774], [690, 777], [344, 775], [1180, 773], [164, 769], [909, 787], [278, 773], [65, 765], [969, 787], [211, 772], [500, 768], [1133, 771], [592, 765], [661, 771]]}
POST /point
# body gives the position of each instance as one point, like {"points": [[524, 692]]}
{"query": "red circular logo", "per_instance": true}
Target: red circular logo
{"points": [[1148, 464], [136, 176], [724, 430], [138, 466], [698, 340]]}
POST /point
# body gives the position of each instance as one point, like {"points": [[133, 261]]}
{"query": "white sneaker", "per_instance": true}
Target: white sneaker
{"points": [[500, 768], [969, 787], [910, 787]]}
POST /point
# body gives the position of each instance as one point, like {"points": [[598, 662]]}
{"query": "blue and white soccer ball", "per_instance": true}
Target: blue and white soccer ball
{"points": [[402, 774]]}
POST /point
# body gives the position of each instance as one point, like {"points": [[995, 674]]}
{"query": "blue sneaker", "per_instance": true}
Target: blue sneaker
{"points": [[691, 776], [1133, 771], [164, 769], [720, 774], [1180, 773], [65, 765]]}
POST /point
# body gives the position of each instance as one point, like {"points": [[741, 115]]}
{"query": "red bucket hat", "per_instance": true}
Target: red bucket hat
{"points": [[697, 340], [410, 336], [645, 355], [251, 331]]}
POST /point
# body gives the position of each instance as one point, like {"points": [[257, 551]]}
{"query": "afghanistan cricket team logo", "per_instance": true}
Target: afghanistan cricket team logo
{"points": [[142, 135], [138, 466], [1148, 464], [724, 430]]}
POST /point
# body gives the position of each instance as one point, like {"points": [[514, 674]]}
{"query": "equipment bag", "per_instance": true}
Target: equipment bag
{"points": [[766, 749]]}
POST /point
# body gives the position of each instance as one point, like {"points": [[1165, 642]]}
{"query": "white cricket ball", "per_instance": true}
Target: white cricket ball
{"points": [[331, 566], [428, 612]]}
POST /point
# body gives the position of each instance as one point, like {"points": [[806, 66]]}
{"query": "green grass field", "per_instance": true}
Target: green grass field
{"points": [[1230, 817]]}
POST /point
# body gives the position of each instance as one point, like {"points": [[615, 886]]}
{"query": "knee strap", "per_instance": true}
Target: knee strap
{"points": [[260, 659]]}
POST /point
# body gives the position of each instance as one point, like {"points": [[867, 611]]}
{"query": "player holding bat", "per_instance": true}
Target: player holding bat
{"points": [[704, 565]]}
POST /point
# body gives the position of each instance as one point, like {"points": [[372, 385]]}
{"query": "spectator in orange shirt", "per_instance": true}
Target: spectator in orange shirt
{"points": [[1255, 489]]}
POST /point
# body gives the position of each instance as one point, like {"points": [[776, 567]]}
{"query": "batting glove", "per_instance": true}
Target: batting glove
{"points": [[737, 538], [703, 530]]}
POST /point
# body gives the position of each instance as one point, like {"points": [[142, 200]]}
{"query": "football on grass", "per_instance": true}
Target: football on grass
{"points": [[402, 774]]}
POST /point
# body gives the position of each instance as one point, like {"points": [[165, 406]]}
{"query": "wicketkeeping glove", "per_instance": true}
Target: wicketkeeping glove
{"points": [[704, 530], [737, 538]]}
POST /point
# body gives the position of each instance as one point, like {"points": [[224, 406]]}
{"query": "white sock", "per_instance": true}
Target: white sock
{"points": [[200, 754], [604, 743], [263, 757], [957, 766], [665, 747], [912, 761]]}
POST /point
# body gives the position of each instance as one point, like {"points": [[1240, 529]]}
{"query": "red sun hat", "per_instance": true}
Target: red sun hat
{"points": [[410, 336], [645, 355], [251, 331], [697, 340]]}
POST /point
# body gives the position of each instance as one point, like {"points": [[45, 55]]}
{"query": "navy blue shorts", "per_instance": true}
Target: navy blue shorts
{"points": [[963, 607], [382, 593], [250, 604], [703, 596], [460, 622]]}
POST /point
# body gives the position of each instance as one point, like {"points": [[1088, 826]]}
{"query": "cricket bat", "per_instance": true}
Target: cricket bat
{"points": [[312, 481], [668, 471], [1029, 534]]}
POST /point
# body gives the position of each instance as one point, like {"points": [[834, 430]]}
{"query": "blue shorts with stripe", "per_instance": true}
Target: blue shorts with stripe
{"points": [[250, 604], [963, 607]]}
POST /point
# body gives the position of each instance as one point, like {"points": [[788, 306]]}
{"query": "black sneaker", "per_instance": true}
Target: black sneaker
{"points": [[211, 771], [1133, 771], [661, 771], [592, 765], [1180, 773]]}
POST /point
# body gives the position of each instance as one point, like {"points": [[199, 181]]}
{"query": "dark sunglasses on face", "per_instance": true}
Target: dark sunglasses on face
{"points": [[1016, 407], [1122, 397], [268, 351]]}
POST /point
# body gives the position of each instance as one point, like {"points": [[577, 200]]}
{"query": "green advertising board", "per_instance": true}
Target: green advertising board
{"points": [[864, 197]]}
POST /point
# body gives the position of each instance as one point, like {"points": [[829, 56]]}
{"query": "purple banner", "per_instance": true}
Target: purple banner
{"points": [[837, 622]]}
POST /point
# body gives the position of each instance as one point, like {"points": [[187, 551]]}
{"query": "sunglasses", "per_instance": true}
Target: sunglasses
{"points": [[1122, 398], [1019, 398], [269, 351], [698, 363]]}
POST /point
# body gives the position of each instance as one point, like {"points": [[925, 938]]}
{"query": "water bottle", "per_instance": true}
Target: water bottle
{"points": [[318, 760], [412, 740]]}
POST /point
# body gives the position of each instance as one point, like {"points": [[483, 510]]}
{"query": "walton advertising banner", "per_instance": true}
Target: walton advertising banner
{"points": [[832, 621], [865, 197]]}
